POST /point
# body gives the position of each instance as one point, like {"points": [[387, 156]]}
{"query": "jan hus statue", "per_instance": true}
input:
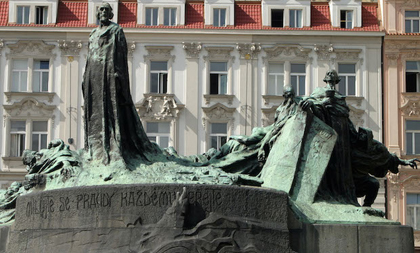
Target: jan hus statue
{"points": [[113, 131]]}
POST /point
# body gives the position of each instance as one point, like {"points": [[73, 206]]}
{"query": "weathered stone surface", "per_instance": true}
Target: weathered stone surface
{"points": [[385, 239]]}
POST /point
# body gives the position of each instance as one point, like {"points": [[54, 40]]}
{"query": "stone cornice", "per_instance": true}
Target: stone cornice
{"points": [[159, 53], [71, 48], [248, 51], [30, 48], [219, 53], [287, 51]]}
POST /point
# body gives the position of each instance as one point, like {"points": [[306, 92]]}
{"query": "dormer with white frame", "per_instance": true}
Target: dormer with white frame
{"points": [[93, 6], [286, 13], [161, 12], [42, 12], [219, 13], [346, 13]]}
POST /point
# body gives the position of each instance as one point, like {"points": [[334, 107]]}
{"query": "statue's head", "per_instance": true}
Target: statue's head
{"points": [[332, 77], [289, 92], [105, 12]]}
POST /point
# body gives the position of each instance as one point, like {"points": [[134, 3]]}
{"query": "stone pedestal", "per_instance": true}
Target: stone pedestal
{"points": [[183, 219]]}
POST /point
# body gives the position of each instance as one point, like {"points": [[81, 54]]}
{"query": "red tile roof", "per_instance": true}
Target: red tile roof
{"points": [[194, 17], [127, 16], [4, 13], [248, 16], [72, 14]]}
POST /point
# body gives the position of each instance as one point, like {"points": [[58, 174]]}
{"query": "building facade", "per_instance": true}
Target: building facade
{"points": [[401, 106], [200, 71]]}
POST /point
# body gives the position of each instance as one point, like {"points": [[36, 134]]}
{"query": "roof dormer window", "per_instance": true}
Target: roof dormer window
{"points": [[23, 14], [41, 15], [346, 19]]}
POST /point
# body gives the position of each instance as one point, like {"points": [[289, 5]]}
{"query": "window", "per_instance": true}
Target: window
{"points": [[412, 76], [295, 18], [40, 77], [218, 135], [218, 77], [412, 137], [23, 14], [219, 17], [39, 135], [276, 18], [41, 15], [347, 73], [169, 16], [413, 210], [297, 78], [20, 74], [346, 19], [275, 79], [412, 19], [152, 16], [158, 132], [158, 77], [17, 137]]}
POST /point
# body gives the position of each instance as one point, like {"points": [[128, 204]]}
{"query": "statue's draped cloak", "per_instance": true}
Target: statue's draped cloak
{"points": [[337, 183], [113, 130]]}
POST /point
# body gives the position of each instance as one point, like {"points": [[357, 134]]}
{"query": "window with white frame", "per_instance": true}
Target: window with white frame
{"points": [[41, 15], [412, 20], [39, 135], [17, 137], [21, 73], [158, 77], [295, 18], [218, 135], [347, 74], [412, 137], [159, 132], [346, 19], [218, 77], [40, 76], [152, 16], [219, 17], [412, 76], [413, 210], [22, 14], [275, 79], [169, 16], [298, 78], [277, 17]]}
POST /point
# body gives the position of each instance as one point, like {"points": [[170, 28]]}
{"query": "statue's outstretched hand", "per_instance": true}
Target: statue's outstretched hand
{"points": [[306, 104], [412, 162]]}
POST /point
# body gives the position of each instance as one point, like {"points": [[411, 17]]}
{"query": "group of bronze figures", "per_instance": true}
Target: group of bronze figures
{"points": [[114, 133]]}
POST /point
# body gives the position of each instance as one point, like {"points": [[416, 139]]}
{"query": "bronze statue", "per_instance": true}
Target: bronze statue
{"points": [[113, 131]]}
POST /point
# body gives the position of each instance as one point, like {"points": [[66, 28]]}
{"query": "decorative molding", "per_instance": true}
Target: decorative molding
{"points": [[398, 45], [1, 45], [356, 115], [30, 48], [29, 107], [39, 95], [248, 51], [270, 98], [159, 52], [392, 58], [192, 49], [410, 54], [218, 113], [411, 106], [71, 48], [219, 53], [324, 52], [348, 54], [159, 107], [268, 115], [131, 49], [288, 51], [223, 97], [410, 3]]}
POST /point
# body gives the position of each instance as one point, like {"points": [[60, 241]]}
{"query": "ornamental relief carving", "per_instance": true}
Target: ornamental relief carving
{"points": [[159, 107], [268, 115], [159, 52], [324, 52], [1, 45], [409, 3], [392, 58], [30, 48], [218, 113], [411, 108], [356, 116], [192, 49], [219, 53], [70, 48], [413, 54], [287, 51], [29, 107], [248, 51], [394, 45]]}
